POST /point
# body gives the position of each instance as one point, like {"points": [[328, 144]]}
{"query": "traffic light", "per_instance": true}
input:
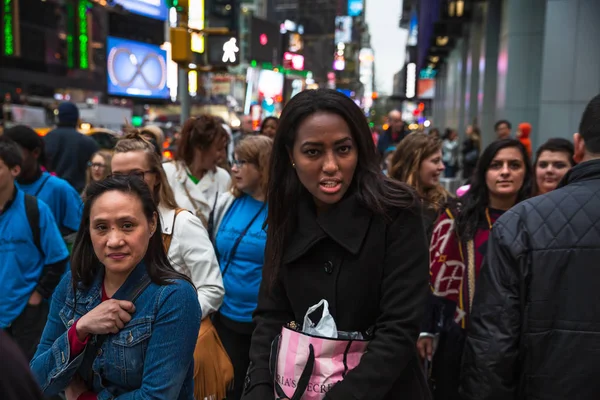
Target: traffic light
{"points": [[222, 14]]}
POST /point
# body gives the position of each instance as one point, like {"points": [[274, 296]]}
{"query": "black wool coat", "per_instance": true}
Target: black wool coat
{"points": [[374, 272]]}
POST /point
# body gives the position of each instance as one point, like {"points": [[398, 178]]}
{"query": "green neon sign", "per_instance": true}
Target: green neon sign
{"points": [[83, 34], [9, 38]]}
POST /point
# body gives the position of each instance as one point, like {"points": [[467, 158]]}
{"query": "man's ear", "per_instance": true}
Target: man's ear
{"points": [[579, 145], [15, 171], [36, 153]]}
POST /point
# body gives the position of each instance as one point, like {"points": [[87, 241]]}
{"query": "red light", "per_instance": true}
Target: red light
{"points": [[293, 61], [421, 106], [263, 39]]}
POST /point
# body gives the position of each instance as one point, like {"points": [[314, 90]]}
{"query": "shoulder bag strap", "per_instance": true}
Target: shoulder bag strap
{"points": [[33, 217], [96, 342], [37, 192], [168, 238], [211, 217], [239, 240]]}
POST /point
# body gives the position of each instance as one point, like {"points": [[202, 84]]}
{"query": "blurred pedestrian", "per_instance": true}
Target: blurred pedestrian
{"points": [[194, 176], [98, 167], [239, 239], [121, 308], [471, 148], [552, 161], [67, 150], [523, 134], [34, 255], [64, 202], [417, 162], [190, 251], [450, 153], [535, 323], [155, 135], [394, 133], [435, 132], [339, 230], [503, 129], [269, 126], [458, 246]]}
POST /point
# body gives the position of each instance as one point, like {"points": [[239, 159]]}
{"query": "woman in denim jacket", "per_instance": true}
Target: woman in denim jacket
{"points": [[149, 347]]}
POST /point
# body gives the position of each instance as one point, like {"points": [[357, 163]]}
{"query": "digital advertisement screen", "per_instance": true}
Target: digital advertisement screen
{"points": [[156, 9], [136, 69], [355, 7]]}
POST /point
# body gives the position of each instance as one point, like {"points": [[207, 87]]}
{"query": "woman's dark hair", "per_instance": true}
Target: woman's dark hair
{"points": [[199, 132], [372, 188], [84, 262], [264, 123], [556, 145], [475, 201]]}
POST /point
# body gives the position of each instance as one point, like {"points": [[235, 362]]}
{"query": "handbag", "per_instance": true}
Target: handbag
{"points": [[306, 367], [95, 344]]}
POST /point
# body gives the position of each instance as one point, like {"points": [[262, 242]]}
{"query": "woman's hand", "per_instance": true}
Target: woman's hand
{"points": [[425, 347], [76, 388], [109, 317]]}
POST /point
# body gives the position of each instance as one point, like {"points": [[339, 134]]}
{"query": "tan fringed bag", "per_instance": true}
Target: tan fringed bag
{"points": [[213, 371]]}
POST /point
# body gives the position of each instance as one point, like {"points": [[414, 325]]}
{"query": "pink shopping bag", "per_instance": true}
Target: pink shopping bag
{"points": [[305, 367]]}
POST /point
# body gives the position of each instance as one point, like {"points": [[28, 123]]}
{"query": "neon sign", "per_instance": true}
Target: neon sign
{"points": [[9, 39], [83, 34]]}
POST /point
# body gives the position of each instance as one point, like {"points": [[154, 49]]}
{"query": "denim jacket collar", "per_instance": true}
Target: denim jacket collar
{"points": [[94, 294]]}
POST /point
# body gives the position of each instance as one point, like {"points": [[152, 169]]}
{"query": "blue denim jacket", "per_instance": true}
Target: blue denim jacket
{"points": [[151, 357]]}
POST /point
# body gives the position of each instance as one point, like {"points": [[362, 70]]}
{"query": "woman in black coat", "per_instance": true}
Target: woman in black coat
{"points": [[340, 230]]}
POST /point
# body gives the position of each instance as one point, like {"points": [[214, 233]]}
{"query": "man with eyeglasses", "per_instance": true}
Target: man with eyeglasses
{"points": [[64, 202]]}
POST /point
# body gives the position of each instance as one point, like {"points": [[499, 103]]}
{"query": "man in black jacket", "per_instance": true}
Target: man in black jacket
{"points": [[67, 150], [394, 134], [535, 322]]}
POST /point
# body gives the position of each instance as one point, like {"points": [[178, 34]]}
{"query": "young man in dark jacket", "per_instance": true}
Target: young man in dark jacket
{"points": [[67, 150], [535, 321]]}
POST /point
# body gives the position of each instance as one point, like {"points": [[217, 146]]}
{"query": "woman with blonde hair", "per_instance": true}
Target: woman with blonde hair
{"points": [[240, 240], [417, 162], [98, 167], [191, 253]]}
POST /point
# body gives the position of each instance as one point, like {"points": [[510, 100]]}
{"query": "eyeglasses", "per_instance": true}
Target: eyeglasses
{"points": [[132, 174], [96, 165]]}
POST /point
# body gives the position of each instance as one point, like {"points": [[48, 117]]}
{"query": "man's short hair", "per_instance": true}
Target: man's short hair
{"points": [[502, 122], [10, 152], [589, 128]]}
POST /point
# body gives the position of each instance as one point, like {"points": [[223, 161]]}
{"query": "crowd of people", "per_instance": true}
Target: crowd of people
{"points": [[128, 277]]}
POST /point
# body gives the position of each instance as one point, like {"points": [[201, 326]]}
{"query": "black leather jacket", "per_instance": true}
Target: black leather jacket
{"points": [[535, 322]]}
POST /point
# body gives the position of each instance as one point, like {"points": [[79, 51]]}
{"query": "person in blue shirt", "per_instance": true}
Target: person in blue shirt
{"points": [[63, 200], [28, 274], [240, 243]]}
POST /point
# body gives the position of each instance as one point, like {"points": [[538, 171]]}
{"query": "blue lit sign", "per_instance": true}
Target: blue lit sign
{"points": [[355, 7], [156, 9], [136, 69]]}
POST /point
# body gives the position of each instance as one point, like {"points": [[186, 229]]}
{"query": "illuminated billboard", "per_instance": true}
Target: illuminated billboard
{"points": [[136, 69], [156, 9]]}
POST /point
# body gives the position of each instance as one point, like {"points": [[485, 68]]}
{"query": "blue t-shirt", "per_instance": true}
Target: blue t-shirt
{"points": [[64, 201], [20, 261], [244, 273]]}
